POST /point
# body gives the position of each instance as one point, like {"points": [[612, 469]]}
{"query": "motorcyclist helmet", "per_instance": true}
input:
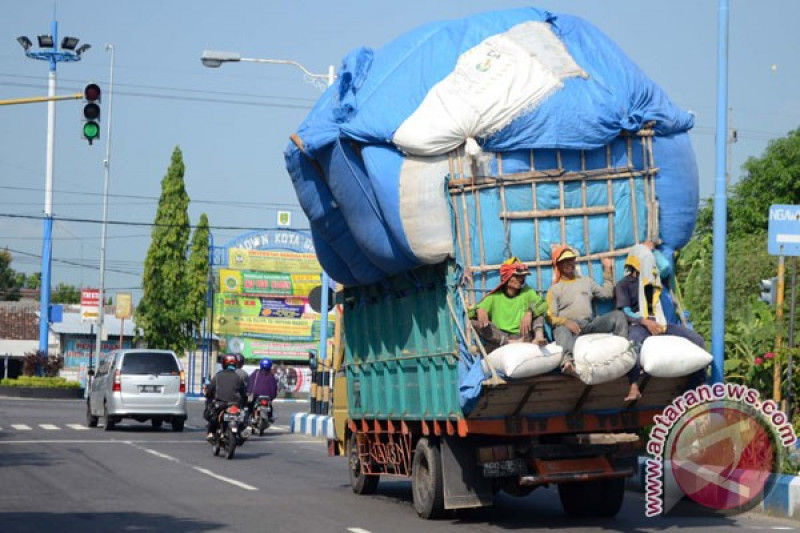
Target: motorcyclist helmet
{"points": [[229, 361], [239, 360], [265, 364]]}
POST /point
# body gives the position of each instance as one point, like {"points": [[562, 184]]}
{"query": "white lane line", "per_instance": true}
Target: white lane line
{"points": [[357, 530], [276, 426], [79, 427], [225, 479], [201, 470], [49, 427], [22, 427]]}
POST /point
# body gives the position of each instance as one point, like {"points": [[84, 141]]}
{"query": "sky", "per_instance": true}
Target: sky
{"points": [[233, 123]]}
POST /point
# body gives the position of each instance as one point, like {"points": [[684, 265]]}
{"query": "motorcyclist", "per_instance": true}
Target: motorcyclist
{"points": [[226, 388], [239, 367], [262, 383]]}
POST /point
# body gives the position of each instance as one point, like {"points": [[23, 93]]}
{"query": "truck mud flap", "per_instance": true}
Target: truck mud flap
{"points": [[464, 484]]}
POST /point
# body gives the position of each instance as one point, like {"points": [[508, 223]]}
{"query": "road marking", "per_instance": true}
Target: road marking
{"points": [[79, 427], [49, 427], [357, 530], [225, 479], [201, 470], [276, 426], [22, 427]]}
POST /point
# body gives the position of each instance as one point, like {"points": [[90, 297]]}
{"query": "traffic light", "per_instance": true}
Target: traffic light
{"points": [[91, 112], [769, 291]]}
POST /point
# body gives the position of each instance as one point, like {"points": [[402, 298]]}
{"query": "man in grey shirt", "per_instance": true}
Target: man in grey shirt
{"points": [[569, 305]]}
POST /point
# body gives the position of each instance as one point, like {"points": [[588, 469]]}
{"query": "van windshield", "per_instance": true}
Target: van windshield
{"points": [[149, 363]]}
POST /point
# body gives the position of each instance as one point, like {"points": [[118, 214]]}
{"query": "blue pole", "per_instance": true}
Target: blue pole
{"points": [[720, 200], [323, 323], [44, 300]]}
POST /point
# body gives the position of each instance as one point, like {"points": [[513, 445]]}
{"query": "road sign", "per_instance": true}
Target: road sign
{"points": [[123, 308], [783, 236], [90, 305]]}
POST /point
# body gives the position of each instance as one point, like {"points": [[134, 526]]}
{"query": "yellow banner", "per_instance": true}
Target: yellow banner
{"points": [[272, 261], [278, 328], [123, 307]]}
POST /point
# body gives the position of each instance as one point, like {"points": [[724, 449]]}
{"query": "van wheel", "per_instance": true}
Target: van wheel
{"points": [[156, 423], [360, 483], [601, 498], [427, 486], [108, 422], [177, 424], [91, 420]]}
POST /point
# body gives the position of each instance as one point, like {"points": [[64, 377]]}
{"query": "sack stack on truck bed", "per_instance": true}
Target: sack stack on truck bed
{"points": [[428, 163]]}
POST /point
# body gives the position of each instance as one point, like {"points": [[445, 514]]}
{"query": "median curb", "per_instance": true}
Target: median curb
{"points": [[313, 425], [783, 501]]}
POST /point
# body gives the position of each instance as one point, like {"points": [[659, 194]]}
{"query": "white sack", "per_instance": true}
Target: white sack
{"points": [[524, 359], [602, 357], [491, 84], [670, 356]]}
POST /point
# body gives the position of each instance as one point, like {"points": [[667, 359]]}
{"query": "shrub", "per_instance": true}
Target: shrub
{"points": [[40, 382], [35, 360]]}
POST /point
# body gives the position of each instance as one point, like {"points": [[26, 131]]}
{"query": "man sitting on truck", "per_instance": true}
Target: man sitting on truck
{"points": [[511, 312], [643, 272], [569, 305]]}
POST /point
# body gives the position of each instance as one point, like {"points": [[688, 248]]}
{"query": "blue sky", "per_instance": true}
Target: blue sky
{"points": [[233, 123]]}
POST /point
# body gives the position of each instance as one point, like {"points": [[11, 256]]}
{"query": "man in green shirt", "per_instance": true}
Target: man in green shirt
{"points": [[512, 312]]}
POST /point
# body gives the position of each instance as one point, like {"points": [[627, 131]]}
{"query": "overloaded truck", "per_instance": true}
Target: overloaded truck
{"points": [[430, 162]]}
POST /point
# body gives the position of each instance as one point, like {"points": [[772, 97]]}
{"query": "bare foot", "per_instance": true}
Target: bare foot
{"points": [[633, 393], [568, 369]]}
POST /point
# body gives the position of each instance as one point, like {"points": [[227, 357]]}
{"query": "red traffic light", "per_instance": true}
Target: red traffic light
{"points": [[92, 92]]}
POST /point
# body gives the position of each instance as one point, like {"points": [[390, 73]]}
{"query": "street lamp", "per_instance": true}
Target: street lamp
{"points": [[215, 59], [50, 53], [106, 171]]}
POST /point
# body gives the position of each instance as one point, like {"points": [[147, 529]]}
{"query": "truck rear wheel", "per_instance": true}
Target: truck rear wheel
{"points": [[360, 483], [601, 498], [427, 486]]}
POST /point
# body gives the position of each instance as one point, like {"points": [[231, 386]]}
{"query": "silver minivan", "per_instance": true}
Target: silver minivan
{"points": [[138, 384]]}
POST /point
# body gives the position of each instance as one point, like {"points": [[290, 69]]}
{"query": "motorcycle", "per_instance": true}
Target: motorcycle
{"points": [[227, 435], [261, 418]]}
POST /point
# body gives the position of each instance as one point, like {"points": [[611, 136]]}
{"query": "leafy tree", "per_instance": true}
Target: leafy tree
{"points": [[9, 283], [198, 274], [65, 294], [161, 313], [34, 281], [773, 178]]}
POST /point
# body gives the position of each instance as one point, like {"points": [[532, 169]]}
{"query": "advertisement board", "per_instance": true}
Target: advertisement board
{"points": [[90, 305], [266, 283], [272, 261]]}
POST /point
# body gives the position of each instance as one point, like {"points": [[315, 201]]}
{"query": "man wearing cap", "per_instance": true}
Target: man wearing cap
{"points": [[511, 312], [569, 305], [642, 284]]}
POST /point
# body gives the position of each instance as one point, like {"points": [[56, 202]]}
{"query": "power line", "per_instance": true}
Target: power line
{"points": [[147, 224], [74, 263], [291, 207]]}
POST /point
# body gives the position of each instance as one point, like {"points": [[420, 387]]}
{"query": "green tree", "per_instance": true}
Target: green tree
{"points": [[65, 294], [198, 275], [773, 178], [161, 313], [34, 281], [9, 284]]}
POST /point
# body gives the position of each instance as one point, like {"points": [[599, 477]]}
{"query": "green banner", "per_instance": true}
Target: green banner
{"points": [[254, 348], [266, 283]]}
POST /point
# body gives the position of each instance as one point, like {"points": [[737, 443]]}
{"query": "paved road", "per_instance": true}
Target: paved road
{"points": [[58, 475]]}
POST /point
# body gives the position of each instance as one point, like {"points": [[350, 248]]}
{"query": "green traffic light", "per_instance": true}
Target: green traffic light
{"points": [[91, 131]]}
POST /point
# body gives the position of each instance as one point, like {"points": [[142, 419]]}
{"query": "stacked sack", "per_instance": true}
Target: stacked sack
{"points": [[369, 162]]}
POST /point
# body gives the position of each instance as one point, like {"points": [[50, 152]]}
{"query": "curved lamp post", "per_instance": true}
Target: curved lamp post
{"points": [[215, 59]]}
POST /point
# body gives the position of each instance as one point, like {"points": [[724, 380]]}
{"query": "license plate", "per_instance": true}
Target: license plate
{"points": [[230, 417], [150, 388]]}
